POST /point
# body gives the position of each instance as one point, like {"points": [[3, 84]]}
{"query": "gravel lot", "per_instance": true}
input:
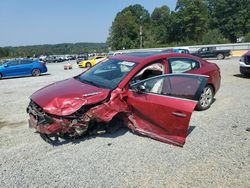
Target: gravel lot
{"points": [[216, 153]]}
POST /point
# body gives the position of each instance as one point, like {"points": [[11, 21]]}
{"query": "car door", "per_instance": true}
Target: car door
{"points": [[26, 67], [204, 52], [12, 68], [162, 106], [210, 52]]}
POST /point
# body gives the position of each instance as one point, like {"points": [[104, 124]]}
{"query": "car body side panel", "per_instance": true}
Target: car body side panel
{"points": [[116, 104], [157, 120]]}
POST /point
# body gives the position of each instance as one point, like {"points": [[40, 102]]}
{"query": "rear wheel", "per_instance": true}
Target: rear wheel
{"points": [[36, 72], [88, 65], [206, 98], [220, 56]]}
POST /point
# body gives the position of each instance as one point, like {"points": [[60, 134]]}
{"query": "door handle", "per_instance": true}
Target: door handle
{"points": [[179, 114]]}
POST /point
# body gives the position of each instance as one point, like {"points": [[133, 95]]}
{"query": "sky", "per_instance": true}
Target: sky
{"points": [[31, 22]]}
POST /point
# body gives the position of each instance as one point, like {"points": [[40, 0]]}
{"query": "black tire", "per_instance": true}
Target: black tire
{"points": [[88, 65], [220, 56], [206, 99], [36, 72], [1, 76]]}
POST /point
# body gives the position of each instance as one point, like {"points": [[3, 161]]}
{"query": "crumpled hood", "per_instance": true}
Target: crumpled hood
{"points": [[66, 97]]}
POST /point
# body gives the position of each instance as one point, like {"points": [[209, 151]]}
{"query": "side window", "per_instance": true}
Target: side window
{"points": [[181, 65], [13, 63], [204, 49], [180, 86], [23, 62], [154, 69]]}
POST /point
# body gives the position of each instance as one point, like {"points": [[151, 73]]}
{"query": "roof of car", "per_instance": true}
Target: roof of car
{"points": [[140, 57]]}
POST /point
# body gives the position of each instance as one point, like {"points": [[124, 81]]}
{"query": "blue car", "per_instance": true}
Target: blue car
{"points": [[23, 67]]}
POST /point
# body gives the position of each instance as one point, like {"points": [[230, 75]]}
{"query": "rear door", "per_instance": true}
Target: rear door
{"points": [[26, 66], [162, 106]]}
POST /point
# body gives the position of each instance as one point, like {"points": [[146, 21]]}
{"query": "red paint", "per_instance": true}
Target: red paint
{"points": [[67, 96], [163, 118]]}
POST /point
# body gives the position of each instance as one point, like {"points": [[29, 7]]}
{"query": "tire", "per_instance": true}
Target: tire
{"points": [[206, 99], [88, 65], [36, 72], [1, 76], [220, 56]]}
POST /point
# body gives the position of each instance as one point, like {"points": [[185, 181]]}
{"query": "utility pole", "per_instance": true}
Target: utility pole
{"points": [[140, 36], [140, 31]]}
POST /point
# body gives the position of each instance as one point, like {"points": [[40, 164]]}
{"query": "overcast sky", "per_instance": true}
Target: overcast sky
{"points": [[28, 22]]}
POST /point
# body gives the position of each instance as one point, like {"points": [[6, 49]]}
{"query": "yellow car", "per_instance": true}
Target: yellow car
{"points": [[91, 62]]}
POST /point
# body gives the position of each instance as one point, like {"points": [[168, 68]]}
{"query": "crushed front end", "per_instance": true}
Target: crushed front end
{"points": [[73, 126]]}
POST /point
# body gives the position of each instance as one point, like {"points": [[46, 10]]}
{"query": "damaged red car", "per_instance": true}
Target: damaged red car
{"points": [[152, 94]]}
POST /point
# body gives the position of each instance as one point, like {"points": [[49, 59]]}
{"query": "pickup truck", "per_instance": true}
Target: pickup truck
{"points": [[210, 52]]}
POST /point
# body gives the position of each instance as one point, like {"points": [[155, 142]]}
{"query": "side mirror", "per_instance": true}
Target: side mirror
{"points": [[139, 88], [5, 65]]}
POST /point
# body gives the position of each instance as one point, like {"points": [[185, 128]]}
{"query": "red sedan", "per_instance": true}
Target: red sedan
{"points": [[153, 94]]}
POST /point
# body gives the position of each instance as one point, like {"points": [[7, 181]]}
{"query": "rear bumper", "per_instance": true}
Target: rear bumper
{"points": [[44, 69]]}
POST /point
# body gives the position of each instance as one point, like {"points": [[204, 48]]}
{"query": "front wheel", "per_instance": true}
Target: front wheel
{"points": [[206, 98], [88, 65], [36, 72]]}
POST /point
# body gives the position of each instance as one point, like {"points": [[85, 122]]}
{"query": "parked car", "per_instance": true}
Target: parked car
{"points": [[212, 52], [91, 62], [152, 94], [14, 68], [245, 64], [177, 50], [81, 58]]}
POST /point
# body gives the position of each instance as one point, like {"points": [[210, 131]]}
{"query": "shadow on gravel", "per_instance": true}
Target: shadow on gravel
{"points": [[10, 78], [60, 142], [190, 129], [242, 76]]}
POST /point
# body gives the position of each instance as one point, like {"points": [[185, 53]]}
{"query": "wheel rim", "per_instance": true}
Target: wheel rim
{"points": [[206, 97], [36, 72], [88, 65], [220, 56]]}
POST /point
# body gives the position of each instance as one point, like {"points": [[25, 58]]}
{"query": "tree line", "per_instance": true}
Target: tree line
{"points": [[52, 49], [192, 22]]}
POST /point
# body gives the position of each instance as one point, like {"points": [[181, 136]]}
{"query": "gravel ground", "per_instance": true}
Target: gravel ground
{"points": [[216, 153]]}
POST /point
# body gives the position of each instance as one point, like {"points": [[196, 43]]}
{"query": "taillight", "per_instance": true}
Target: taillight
{"points": [[42, 63]]}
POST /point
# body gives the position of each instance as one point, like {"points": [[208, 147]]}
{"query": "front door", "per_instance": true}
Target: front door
{"points": [[162, 106]]}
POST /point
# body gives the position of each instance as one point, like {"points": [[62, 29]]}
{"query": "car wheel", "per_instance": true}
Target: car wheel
{"points": [[1, 76], [88, 65], [220, 56], [206, 98], [36, 72]]}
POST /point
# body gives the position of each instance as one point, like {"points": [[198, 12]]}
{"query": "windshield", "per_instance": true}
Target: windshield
{"points": [[107, 74]]}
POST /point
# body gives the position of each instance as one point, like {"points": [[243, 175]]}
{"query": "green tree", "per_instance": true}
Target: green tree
{"points": [[4, 52], [231, 17], [214, 37], [190, 19], [124, 32], [247, 37], [160, 24]]}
